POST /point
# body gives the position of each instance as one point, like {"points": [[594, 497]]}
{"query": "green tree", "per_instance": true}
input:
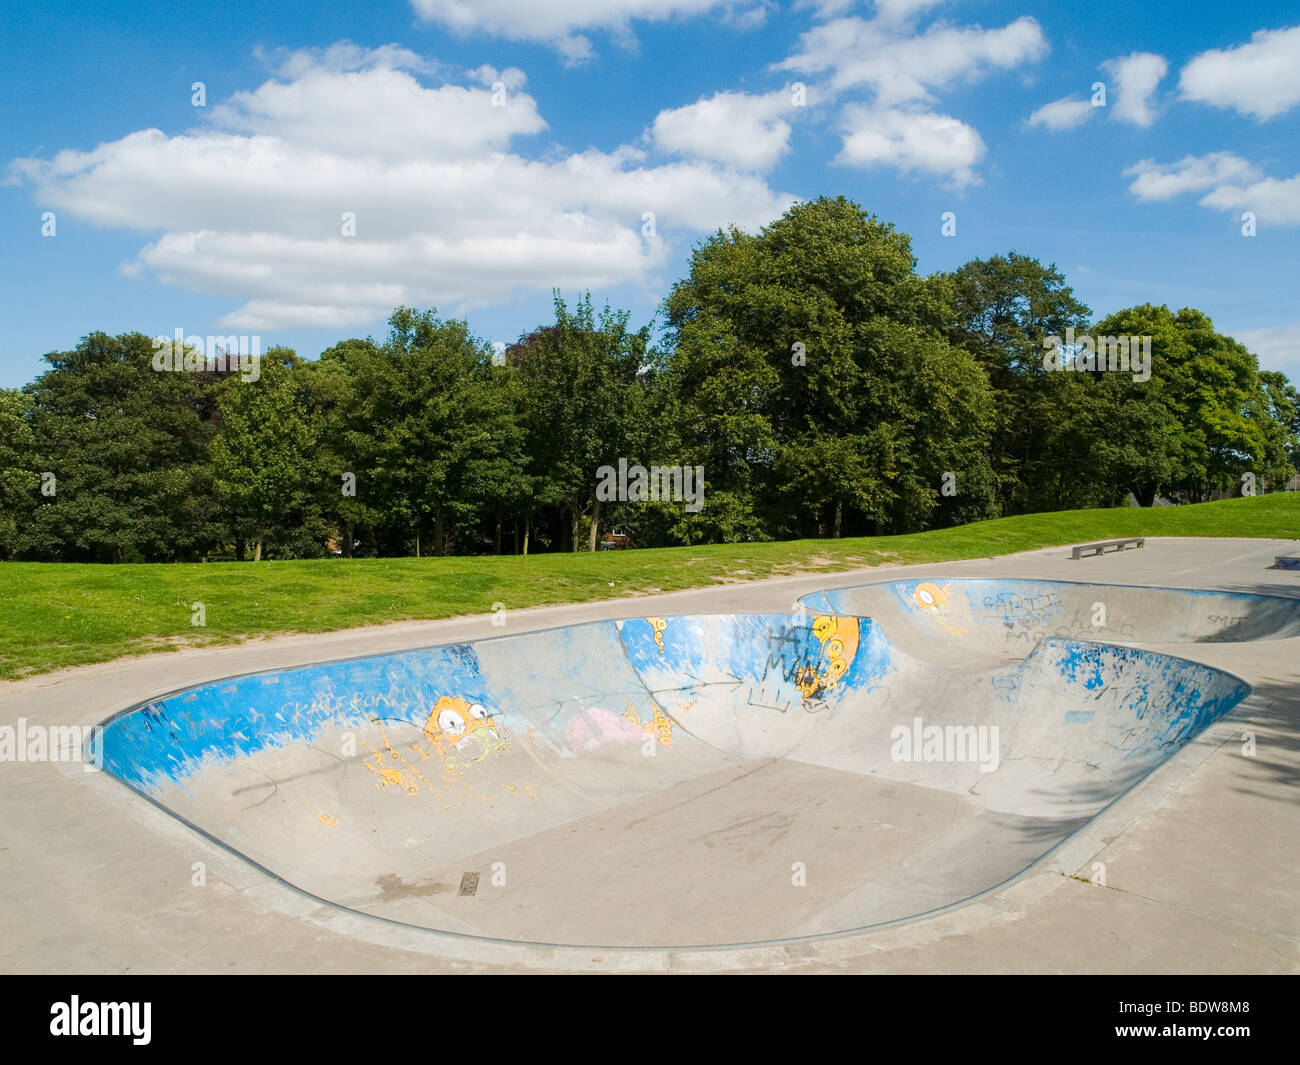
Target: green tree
{"points": [[1117, 436], [264, 459], [128, 446], [816, 387], [328, 388], [1208, 383], [583, 403], [436, 428], [1005, 309], [1275, 407], [19, 480]]}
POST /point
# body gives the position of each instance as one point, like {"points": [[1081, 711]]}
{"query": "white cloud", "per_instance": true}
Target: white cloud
{"points": [[902, 10], [1274, 201], [1065, 113], [1136, 77], [1157, 181], [911, 141], [885, 10], [340, 56], [743, 17], [512, 77], [557, 22], [448, 211], [1229, 183], [739, 129], [1261, 78], [1278, 348], [901, 66], [380, 111], [825, 8]]}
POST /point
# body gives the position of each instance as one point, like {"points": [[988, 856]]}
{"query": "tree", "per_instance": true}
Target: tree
{"points": [[19, 481], [1005, 308], [438, 434], [329, 392], [264, 458], [1117, 436], [1208, 382], [816, 387], [1276, 407], [128, 446], [583, 399]]}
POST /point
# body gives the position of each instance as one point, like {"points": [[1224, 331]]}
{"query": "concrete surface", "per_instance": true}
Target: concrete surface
{"points": [[1198, 860], [1002, 619]]}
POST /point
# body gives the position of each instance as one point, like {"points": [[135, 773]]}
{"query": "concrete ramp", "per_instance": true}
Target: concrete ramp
{"points": [[1007, 618], [676, 781]]}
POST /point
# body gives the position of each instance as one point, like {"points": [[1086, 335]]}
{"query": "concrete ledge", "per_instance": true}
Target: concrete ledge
{"points": [[1101, 547]]}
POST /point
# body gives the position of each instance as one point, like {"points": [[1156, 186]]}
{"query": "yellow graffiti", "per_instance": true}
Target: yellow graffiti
{"points": [[933, 601], [406, 778], [325, 819], [663, 727], [388, 776], [930, 596], [839, 639], [659, 625], [660, 724], [447, 727], [453, 720]]}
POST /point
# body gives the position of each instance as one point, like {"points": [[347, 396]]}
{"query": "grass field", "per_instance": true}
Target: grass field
{"points": [[60, 614]]}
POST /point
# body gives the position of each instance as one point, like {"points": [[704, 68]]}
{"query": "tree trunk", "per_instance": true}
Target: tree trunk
{"points": [[571, 529], [839, 517], [593, 536], [347, 539], [257, 550], [528, 521]]}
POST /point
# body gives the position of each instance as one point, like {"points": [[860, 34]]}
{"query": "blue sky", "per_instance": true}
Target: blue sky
{"points": [[493, 149]]}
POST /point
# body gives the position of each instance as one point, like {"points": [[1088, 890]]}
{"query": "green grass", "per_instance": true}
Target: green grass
{"points": [[62, 614]]}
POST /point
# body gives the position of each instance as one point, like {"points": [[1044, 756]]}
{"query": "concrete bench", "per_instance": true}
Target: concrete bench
{"points": [[1102, 546]]}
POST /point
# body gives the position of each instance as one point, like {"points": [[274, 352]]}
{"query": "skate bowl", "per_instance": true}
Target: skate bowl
{"points": [[1007, 618], [693, 781]]}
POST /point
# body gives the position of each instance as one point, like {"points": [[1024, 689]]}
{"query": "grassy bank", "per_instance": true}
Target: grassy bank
{"points": [[58, 614]]}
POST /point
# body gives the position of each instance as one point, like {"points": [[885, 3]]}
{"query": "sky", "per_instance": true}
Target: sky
{"points": [[295, 171]]}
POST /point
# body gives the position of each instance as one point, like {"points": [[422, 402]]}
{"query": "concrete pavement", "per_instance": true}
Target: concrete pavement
{"points": [[1199, 859]]}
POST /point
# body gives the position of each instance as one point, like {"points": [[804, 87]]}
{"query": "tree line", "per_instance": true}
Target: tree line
{"points": [[823, 385]]}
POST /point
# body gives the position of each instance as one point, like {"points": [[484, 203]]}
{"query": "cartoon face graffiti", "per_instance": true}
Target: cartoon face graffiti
{"points": [[454, 720], [930, 596], [935, 604], [839, 638]]}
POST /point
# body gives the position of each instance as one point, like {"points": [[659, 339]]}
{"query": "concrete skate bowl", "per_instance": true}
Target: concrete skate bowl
{"points": [[1007, 618], [710, 780]]}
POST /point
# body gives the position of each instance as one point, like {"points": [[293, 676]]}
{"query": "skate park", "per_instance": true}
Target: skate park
{"points": [[732, 777]]}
